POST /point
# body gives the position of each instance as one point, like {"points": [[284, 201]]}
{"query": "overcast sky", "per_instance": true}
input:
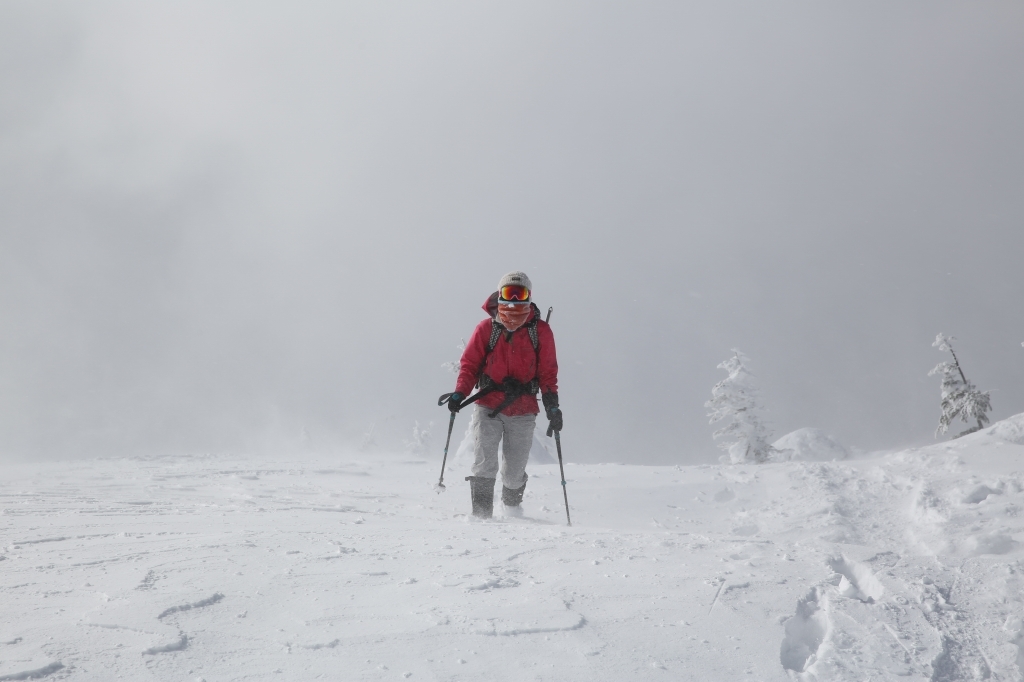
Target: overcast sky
{"points": [[224, 223]]}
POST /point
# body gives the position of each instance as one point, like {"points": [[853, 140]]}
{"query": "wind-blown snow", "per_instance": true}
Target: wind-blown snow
{"points": [[906, 566]]}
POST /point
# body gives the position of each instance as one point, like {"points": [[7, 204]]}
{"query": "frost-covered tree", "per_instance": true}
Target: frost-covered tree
{"points": [[454, 365], [419, 444], [368, 441], [960, 398], [737, 399]]}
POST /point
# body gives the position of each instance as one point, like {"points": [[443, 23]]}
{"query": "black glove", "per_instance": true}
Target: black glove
{"points": [[455, 401], [554, 414]]}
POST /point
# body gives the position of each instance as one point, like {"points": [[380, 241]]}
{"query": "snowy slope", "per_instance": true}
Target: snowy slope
{"points": [[906, 567]]}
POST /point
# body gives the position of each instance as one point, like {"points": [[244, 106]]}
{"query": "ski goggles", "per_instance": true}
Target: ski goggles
{"points": [[513, 293]]}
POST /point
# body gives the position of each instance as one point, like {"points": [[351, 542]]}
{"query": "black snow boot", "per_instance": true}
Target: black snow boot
{"points": [[482, 491], [513, 498]]}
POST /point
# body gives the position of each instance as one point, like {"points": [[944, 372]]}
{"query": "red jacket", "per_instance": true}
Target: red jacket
{"points": [[515, 358]]}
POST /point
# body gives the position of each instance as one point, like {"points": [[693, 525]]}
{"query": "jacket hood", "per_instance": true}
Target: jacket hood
{"points": [[490, 307]]}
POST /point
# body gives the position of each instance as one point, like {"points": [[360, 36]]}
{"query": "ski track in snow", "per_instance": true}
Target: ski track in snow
{"points": [[188, 607], [907, 566], [180, 644], [33, 674]]}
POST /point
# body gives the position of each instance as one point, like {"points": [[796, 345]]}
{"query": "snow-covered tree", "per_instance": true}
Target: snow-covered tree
{"points": [[419, 444], [454, 365], [960, 398], [737, 399], [368, 441]]}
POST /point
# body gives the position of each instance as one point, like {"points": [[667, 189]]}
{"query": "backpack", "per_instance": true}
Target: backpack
{"points": [[512, 388]]}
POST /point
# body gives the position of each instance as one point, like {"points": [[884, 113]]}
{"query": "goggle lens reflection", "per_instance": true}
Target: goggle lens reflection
{"points": [[514, 292]]}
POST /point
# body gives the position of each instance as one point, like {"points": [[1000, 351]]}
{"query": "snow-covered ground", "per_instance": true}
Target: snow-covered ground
{"points": [[904, 566]]}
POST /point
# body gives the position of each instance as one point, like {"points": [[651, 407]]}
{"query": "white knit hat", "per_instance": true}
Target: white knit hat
{"points": [[516, 277]]}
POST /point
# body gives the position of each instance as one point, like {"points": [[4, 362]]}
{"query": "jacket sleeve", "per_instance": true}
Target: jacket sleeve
{"points": [[548, 370], [472, 356]]}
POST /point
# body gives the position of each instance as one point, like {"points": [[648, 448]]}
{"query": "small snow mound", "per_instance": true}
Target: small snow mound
{"points": [[809, 445], [724, 495], [857, 581], [980, 494], [993, 543], [1010, 429]]}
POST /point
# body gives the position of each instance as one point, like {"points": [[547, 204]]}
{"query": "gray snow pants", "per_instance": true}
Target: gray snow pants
{"points": [[516, 437]]}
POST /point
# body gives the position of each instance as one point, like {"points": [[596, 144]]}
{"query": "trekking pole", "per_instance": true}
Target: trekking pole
{"points": [[439, 488], [558, 446]]}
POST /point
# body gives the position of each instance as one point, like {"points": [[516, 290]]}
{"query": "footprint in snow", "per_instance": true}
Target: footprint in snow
{"points": [[805, 631]]}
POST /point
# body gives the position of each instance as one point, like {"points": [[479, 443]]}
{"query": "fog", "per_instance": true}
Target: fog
{"points": [[255, 227]]}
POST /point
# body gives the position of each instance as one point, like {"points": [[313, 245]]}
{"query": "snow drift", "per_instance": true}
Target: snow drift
{"points": [[905, 567], [809, 445]]}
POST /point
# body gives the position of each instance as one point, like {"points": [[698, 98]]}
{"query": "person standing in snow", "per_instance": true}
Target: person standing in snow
{"points": [[510, 357]]}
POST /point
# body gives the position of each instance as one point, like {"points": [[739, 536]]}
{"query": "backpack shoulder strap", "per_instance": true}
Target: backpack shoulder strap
{"points": [[491, 343], [531, 329], [495, 335]]}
